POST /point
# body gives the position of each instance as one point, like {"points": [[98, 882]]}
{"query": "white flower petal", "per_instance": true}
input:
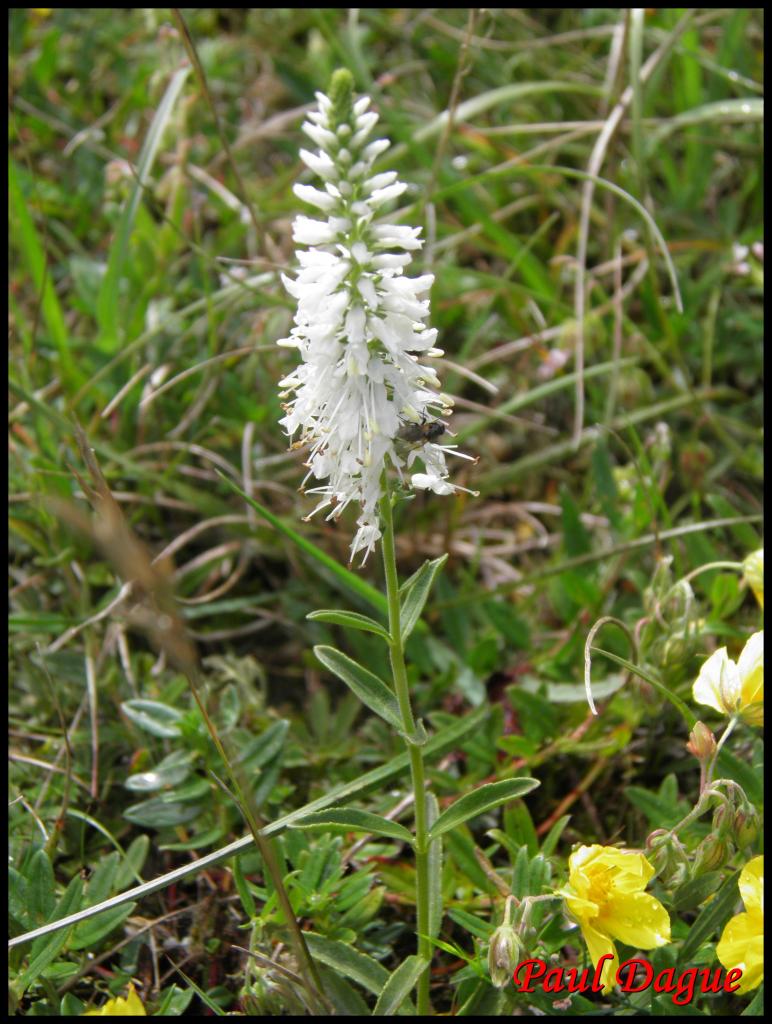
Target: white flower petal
{"points": [[360, 327]]}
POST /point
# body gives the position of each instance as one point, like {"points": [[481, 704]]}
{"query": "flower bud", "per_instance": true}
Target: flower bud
{"points": [[667, 857], [723, 819], [712, 853], [677, 650], [747, 825], [753, 569], [503, 954], [702, 742], [661, 582]]}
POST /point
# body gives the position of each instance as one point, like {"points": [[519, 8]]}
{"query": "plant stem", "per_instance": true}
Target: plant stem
{"points": [[397, 657], [306, 963]]}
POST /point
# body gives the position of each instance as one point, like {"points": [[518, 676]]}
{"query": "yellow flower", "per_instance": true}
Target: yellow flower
{"points": [[732, 688], [742, 943], [605, 895], [131, 1006], [753, 568]]}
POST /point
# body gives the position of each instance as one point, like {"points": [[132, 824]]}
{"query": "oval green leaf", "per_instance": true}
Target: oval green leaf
{"points": [[152, 716]]}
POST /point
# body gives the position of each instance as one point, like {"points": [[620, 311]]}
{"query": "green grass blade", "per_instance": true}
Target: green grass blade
{"points": [[26, 237], [108, 302]]}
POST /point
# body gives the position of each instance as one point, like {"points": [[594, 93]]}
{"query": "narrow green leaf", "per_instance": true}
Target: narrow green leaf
{"points": [[348, 961], [480, 800], [264, 748], [713, 917], [348, 579], [41, 892], [399, 986], [435, 869], [371, 690], [415, 597], [755, 1007], [351, 619], [88, 933], [133, 861], [26, 236], [749, 776], [45, 950], [108, 306], [355, 821], [344, 998], [549, 845], [694, 892], [242, 888]]}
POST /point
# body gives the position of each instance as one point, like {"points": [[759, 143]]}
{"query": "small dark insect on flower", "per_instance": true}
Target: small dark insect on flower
{"points": [[420, 433]]}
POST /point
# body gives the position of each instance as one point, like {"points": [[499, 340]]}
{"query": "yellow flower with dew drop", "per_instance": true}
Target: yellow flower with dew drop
{"points": [[605, 894], [753, 570], [131, 1006], [742, 942], [731, 688]]}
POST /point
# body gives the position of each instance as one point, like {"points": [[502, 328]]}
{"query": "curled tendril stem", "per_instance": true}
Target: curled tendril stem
{"points": [[606, 620]]}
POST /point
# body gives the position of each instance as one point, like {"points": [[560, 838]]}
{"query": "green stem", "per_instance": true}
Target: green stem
{"points": [[306, 963], [714, 760], [397, 657]]}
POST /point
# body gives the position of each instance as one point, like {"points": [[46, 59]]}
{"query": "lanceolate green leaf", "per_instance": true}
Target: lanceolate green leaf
{"points": [[398, 987], [479, 801], [415, 597], [353, 620], [435, 869], [713, 917], [355, 821], [371, 690], [348, 961]]}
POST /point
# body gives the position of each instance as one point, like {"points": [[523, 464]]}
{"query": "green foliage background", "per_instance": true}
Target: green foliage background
{"points": [[131, 314]]}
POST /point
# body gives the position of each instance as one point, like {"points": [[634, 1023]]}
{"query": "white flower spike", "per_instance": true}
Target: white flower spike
{"points": [[360, 326]]}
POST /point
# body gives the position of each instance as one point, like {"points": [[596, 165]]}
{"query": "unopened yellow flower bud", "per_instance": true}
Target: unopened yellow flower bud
{"points": [[702, 742]]}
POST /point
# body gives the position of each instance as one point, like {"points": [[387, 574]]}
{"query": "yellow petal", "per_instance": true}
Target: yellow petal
{"points": [[752, 884], [582, 910], [750, 668], [637, 919], [598, 945], [595, 868], [131, 1006], [742, 945], [718, 684]]}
